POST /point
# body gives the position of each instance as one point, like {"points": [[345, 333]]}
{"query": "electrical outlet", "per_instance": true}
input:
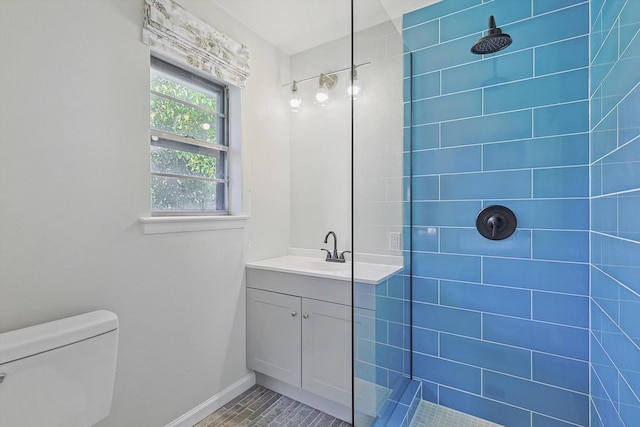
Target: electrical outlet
{"points": [[395, 240]]}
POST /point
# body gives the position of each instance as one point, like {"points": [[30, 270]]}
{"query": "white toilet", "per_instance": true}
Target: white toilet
{"points": [[60, 373]]}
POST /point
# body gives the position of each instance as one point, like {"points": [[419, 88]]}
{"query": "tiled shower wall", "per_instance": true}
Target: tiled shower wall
{"points": [[501, 328], [615, 217]]}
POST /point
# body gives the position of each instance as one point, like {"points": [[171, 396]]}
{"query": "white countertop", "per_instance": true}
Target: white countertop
{"points": [[317, 267]]}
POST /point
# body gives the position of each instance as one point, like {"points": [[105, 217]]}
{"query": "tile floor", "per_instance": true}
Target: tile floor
{"points": [[261, 407]]}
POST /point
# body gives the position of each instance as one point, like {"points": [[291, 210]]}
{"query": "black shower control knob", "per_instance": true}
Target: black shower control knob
{"points": [[496, 222]]}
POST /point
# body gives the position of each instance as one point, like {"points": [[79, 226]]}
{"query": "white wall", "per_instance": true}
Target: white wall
{"points": [[74, 162], [321, 145]]}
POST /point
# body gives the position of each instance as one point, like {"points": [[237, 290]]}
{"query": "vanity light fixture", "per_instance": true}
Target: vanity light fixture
{"points": [[326, 82], [295, 102]]}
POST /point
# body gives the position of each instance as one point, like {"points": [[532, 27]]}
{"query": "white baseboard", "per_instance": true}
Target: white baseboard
{"points": [[296, 393], [215, 402]]}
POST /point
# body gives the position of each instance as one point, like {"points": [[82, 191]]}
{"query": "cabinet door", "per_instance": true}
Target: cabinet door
{"points": [[326, 350], [273, 335]]}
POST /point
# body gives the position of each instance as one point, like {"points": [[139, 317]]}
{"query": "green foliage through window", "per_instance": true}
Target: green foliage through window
{"points": [[186, 176]]}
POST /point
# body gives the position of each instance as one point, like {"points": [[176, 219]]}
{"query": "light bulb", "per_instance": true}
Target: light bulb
{"points": [[322, 95], [354, 88], [295, 102]]}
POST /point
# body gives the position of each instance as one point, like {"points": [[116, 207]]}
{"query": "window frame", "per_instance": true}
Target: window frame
{"points": [[169, 140]]}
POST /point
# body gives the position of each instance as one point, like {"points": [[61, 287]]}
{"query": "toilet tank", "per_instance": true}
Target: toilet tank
{"points": [[60, 373]]}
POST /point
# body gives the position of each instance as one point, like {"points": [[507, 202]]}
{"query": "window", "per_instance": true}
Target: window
{"points": [[189, 143]]}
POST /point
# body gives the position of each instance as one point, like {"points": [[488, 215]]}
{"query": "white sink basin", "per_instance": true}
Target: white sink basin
{"points": [[323, 266], [307, 266]]}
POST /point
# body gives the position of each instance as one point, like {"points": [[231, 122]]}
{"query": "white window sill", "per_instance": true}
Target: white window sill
{"points": [[182, 224]]}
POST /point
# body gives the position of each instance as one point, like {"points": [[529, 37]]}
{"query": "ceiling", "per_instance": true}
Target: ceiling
{"points": [[297, 25]]}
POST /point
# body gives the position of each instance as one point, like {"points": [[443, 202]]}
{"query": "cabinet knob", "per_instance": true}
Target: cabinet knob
{"points": [[306, 316], [294, 314]]}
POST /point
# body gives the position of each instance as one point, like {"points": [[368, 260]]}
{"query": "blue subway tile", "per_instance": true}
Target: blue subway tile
{"points": [[618, 258], [545, 6], [561, 245], [486, 185], [489, 72], [538, 275], [604, 137], [628, 113], [547, 90], [444, 55], [424, 290], [422, 35], [570, 310], [565, 405], [630, 314], [562, 372], [490, 299], [445, 319], [629, 221], [457, 375], [481, 407], [538, 420], [425, 187], [390, 309], [596, 179], [629, 24], [451, 214], [565, 214], [561, 182], [604, 59], [501, 358], [469, 241], [389, 357], [425, 86], [447, 160], [605, 292], [425, 239], [492, 128], [425, 341], [605, 370], [540, 152], [424, 136], [561, 119], [447, 107], [562, 56], [544, 337], [621, 80], [444, 266], [620, 171], [563, 24]]}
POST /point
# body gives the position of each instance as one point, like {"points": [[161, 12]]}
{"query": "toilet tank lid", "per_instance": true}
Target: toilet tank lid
{"points": [[36, 339]]}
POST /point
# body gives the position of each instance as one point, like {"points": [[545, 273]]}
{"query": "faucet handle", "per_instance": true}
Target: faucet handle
{"points": [[342, 254], [328, 253]]}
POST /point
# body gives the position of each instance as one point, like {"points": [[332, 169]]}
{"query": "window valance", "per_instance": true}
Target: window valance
{"points": [[176, 32]]}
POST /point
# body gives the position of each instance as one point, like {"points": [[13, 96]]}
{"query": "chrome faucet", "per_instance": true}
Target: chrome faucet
{"points": [[334, 257]]}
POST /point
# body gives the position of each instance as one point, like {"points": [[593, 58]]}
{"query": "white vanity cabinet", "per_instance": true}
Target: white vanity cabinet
{"points": [[295, 336]]}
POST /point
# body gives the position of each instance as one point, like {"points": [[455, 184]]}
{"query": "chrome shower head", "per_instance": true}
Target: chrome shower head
{"points": [[494, 41]]}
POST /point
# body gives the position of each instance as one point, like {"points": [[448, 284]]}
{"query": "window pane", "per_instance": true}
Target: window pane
{"points": [[189, 163], [189, 195], [182, 89], [168, 115]]}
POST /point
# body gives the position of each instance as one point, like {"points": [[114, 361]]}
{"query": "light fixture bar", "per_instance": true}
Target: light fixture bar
{"points": [[327, 73]]}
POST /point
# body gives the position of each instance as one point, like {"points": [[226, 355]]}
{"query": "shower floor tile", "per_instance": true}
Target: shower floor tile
{"points": [[431, 415], [261, 407]]}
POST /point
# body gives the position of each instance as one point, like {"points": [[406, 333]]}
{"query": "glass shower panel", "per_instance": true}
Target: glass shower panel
{"points": [[382, 317]]}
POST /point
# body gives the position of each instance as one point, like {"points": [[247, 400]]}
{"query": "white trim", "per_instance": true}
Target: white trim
{"points": [[214, 403], [181, 224]]}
